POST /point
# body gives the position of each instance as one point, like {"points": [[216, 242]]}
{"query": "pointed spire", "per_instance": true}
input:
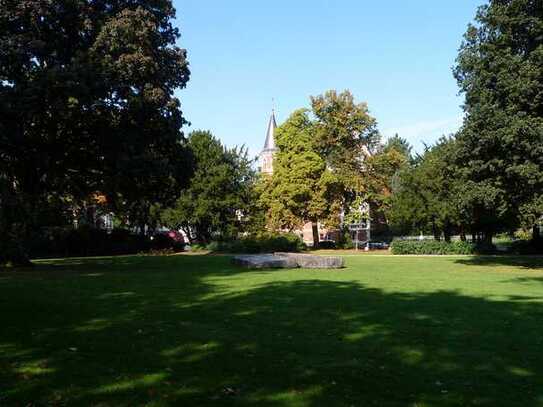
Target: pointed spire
{"points": [[270, 134]]}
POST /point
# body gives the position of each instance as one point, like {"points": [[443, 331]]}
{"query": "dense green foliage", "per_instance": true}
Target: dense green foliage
{"points": [[90, 241], [317, 170], [302, 189], [262, 243], [218, 200], [489, 177], [529, 246], [344, 132], [380, 176], [87, 105], [400, 145], [431, 247], [500, 147], [197, 331], [426, 194]]}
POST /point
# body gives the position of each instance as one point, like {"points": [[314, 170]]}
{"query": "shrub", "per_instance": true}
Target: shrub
{"points": [[345, 240], [264, 243], [523, 234], [122, 241], [11, 253], [526, 247], [327, 244], [212, 247], [160, 252], [86, 241], [431, 247], [198, 247], [485, 248]]}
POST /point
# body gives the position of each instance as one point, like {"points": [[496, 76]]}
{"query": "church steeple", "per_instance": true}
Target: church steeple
{"points": [[266, 156], [270, 134]]}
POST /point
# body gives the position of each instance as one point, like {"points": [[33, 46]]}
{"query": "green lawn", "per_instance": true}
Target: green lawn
{"points": [[194, 331]]}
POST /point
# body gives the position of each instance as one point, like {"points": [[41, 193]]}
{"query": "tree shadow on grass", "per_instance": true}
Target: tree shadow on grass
{"points": [[526, 262], [183, 341], [529, 282]]}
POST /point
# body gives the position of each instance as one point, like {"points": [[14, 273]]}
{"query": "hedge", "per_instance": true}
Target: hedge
{"points": [[327, 244], [526, 247], [432, 247], [266, 243], [88, 241]]}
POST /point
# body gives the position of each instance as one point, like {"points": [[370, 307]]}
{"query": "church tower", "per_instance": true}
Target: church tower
{"points": [[266, 156]]}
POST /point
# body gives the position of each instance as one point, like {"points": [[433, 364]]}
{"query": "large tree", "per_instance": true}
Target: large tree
{"points": [[318, 171], [500, 147], [86, 105], [218, 201], [302, 189], [344, 134], [426, 194], [380, 173]]}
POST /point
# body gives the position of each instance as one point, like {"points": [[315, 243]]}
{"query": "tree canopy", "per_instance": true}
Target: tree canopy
{"points": [[345, 133], [426, 194], [87, 104], [317, 170], [217, 202], [398, 144], [500, 147]]}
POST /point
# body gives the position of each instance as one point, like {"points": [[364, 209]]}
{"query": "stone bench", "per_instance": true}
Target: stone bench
{"points": [[262, 261], [288, 260], [310, 261]]}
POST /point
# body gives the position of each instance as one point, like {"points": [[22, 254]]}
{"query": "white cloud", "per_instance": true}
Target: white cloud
{"points": [[427, 132]]}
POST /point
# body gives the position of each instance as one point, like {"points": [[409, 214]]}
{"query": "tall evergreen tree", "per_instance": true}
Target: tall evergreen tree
{"points": [[500, 150]]}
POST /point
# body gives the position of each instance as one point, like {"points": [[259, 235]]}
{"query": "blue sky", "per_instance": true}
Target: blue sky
{"points": [[396, 55]]}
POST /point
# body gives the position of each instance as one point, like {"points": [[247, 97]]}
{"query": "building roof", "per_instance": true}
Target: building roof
{"points": [[270, 134]]}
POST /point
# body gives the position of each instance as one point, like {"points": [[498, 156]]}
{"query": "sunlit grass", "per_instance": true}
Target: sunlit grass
{"points": [[195, 330]]}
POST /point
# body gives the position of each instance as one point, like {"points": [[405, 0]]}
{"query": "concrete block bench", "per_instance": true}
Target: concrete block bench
{"points": [[288, 260], [311, 261]]}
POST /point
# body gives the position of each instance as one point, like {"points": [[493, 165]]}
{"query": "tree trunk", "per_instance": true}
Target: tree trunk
{"points": [[435, 232], [536, 234], [315, 228], [15, 224], [447, 232], [462, 233], [487, 237]]}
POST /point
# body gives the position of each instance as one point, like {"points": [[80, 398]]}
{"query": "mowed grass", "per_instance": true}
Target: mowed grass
{"points": [[197, 331]]}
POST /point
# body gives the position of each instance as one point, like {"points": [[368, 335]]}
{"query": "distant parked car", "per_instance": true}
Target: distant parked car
{"points": [[378, 245]]}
